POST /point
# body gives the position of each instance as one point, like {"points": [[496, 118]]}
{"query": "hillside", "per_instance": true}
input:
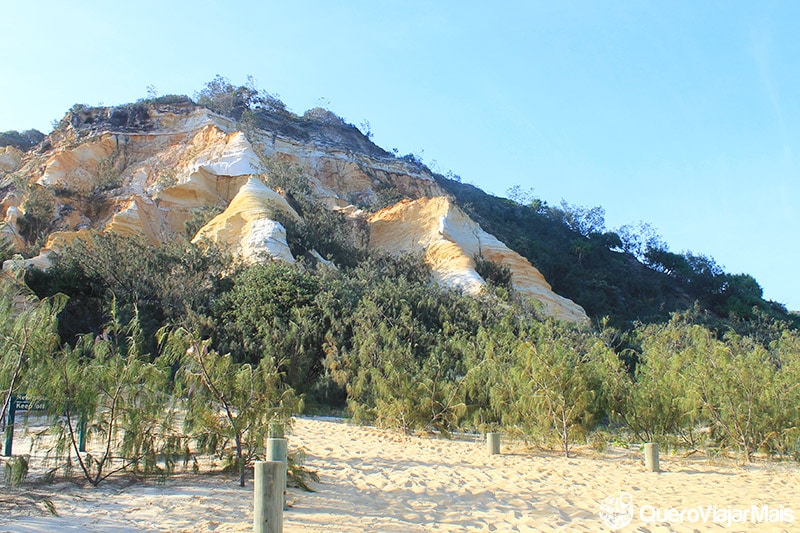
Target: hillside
{"points": [[228, 256], [607, 282], [154, 167], [149, 168], [592, 267]]}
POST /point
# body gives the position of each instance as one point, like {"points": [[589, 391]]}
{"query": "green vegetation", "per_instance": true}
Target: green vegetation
{"points": [[628, 275], [110, 385], [39, 206], [222, 97], [493, 273], [239, 353], [251, 398], [28, 334], [108, 175], [164, 352]]}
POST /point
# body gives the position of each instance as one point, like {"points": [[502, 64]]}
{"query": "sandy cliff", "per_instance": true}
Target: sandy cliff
{"points": [[450, 240], [145, 169], [248, 226]]}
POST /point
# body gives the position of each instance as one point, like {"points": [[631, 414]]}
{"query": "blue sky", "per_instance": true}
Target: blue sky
{"points": [[684, 115]]}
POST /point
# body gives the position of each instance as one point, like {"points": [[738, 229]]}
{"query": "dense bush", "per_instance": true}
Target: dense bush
{"points": [[169, 283], [377, 339], [628, 275], [221, 96]]}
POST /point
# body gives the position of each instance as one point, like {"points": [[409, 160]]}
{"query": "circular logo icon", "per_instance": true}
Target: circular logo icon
{"points": [[617, 511]]}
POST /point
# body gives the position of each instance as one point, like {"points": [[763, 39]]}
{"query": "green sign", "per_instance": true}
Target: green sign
{"points": [[22, 403]]}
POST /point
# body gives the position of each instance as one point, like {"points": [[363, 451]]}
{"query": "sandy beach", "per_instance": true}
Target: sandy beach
{"points": [[377, 480]]}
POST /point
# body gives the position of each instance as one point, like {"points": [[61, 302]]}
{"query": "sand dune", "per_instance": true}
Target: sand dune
{"points": [[375, 480]]}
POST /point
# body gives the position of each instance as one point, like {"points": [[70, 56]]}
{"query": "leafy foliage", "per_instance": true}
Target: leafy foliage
{"points": [[169, 282], [270, 314], [28, 335], [221, 96], [684, 352], [198, 218], [108, 384], [582, 220], [398, 368], [323, 230], [662, 402], [493, 273], [226, 400], [38, 206], [628, 275], [382, 341]]}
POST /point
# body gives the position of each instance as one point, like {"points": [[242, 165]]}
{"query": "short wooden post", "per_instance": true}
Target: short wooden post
{"points": [[277, 450], [269, 480], [12, 413], [493, 443], [651, 457]]}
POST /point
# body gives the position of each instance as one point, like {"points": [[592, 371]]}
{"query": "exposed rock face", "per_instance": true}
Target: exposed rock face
{"points": [[148, 170], [248, 226], [9, 229], [342, 177], [55, 241], [450, 239], [82, 168], [10, 158]]}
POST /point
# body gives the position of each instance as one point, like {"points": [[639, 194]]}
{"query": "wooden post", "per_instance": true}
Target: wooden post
{"points": [[277, 450], [12, 413], [651, 457], [269, 480], [493, 443]]}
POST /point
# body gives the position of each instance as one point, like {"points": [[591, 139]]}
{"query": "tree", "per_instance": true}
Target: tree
{"points": [[395, 387], [401, 353], [270, 312], [669, 263], [491, 387], [221, 96], [639, 238], [493, 273], [28, 334], [736, 382], [522, 197], [662, 400], [227, 401], [39, 207], [583, 220], [785, 354], [165, 282], [557, 382], [108, 385], [741, 292]]}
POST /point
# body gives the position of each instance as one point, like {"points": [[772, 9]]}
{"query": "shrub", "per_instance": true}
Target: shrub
{"points": [[493, 273]]}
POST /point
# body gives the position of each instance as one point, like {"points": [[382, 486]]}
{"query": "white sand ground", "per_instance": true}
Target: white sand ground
{"points": [[375, 480]]}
